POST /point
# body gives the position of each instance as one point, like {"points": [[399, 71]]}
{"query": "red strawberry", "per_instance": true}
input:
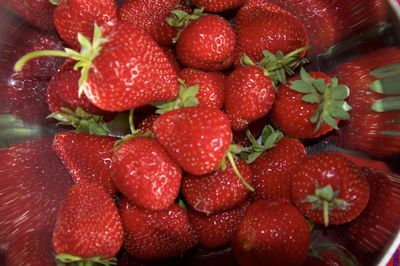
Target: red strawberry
{"points": [[146, 123], [88, 224], [36, 12], [86, 157], [171, 56], [329, 22], [249, 95], [310, 106], [150, 16], [218, 5], [211, 86], [122, 68], [372, 129], [263, 26], [207, 44], [256, 127], [271, 233], [197, 138], [34, 182], [216, 230], [329, 189], [218, 191], [156, 234], [378, 223], [145, 175], [366, 162], [78, 16]]}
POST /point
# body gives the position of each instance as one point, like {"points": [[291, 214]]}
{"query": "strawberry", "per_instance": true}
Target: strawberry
{"points": [[255, 128], [137, 58], [328, 23], [219, 191], [34, 182], [207, 43], [146, 123], [211, 86], [36, 12], [271, 233], [329, 189], [77, 16], [86, 157], [145, 175], [272, 163], [150, 16], [372, 79], [310, 106], [216, 230], [363, 161], [257, 19], [76, 234], [156, 234], [171, 56], [377, 224], [197, 138], [218, 5]]}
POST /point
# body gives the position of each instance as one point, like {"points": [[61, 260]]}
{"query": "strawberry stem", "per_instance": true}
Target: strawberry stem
{"points": [[325, 209], [233, 164], [19, 65]]}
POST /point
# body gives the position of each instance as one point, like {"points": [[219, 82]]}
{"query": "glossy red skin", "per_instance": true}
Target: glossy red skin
{"points": [[264, 26], [364, 232], [216, 230], [218, 191], [79, 16], [62, 92], [150, 16], [88, 215], [337, 171], [272, 170], [34, 182], [36, 12], [328, 23], [146, 124], [145, 175], [218, 5], [156, 234], [197, 138], [207, 44], [86, 157], [130, 72], [211, 86], [366, 162], [362, 132], [293, 116], [271, 233], [171, 56], [249, 95]]}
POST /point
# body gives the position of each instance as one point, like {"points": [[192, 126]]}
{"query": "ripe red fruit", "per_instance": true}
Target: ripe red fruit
{"points": [[207, 44], [156, 234], [88, 224], [249, 95], [262, 26], [145, 175], [197, 138], [372, 129], [272, 170], [218, 5], [329, 189], [366, 162], [378, 223], [310, 105], [78, 16], [211, 86], [216, 230], [171, 56], [146, 123], [271, 233], [86, 157], [219, 191]]}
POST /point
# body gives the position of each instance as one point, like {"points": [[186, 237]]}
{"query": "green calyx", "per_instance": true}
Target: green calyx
{"points": [[182, 204], [64, 259], [55, 2], [330, 99], [233, 149], [179, 19], [82, 121], [269, 138], [186, 98], [89, 51], [326, 199], [278, 66]]}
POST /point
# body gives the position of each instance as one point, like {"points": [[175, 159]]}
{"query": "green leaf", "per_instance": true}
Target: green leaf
{"points": [[301, 86], [246, 60], [392, 133], [311, 98], [388, 85], [189, 92], [334, 83], [252, 157], [315, 117], [386, 71], [339, 113], [319, 84], [330, 121], [386, 104], [305, 76], [340, 92]]}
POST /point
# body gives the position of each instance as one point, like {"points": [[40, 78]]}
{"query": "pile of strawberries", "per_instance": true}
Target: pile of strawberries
{"points": [[191, 122]]}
